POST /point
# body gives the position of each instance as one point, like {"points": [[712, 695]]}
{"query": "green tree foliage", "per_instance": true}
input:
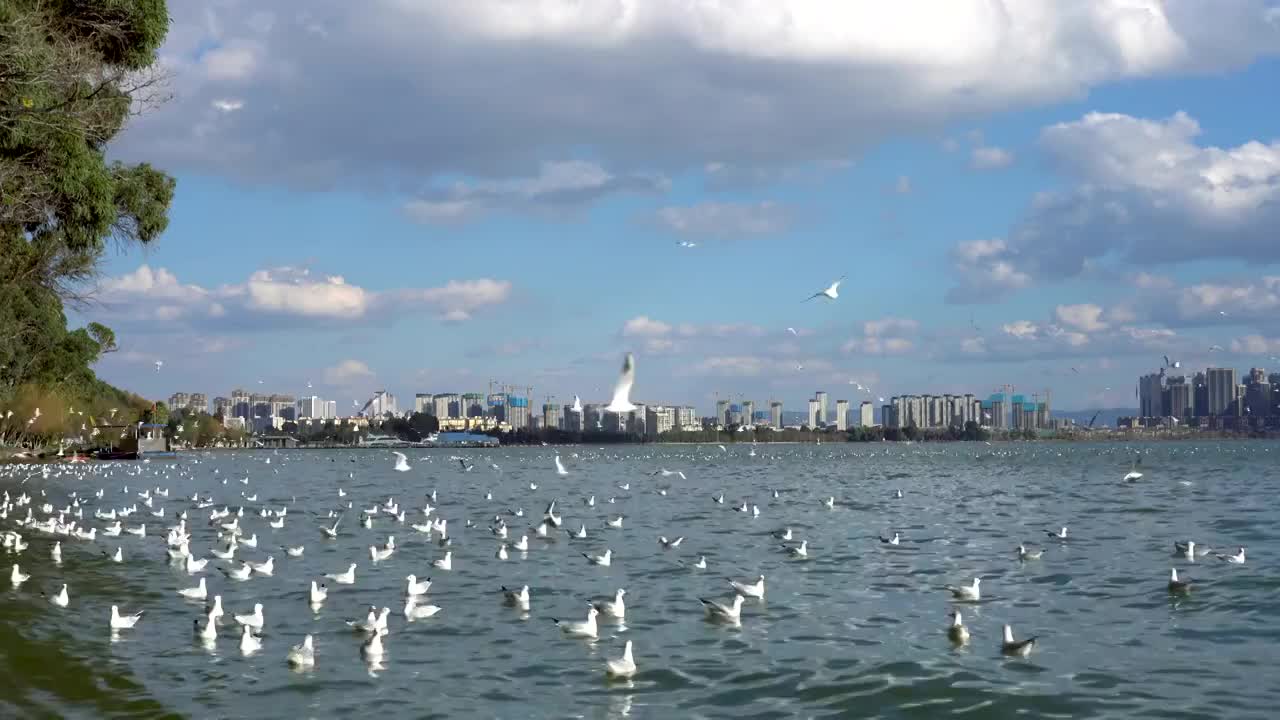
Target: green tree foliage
{"points": [[72, 72]]}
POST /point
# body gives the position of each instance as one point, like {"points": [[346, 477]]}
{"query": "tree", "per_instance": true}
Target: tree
{"points": [[72, 72]]}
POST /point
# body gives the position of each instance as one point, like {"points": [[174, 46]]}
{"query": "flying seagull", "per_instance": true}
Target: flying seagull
{"points": [[577, 404], [831, 293], [622, 391]]}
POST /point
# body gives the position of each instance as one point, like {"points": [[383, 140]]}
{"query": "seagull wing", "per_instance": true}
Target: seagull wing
{"points": [[622, 391]]}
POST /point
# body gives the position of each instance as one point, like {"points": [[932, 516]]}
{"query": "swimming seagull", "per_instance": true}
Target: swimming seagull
{"points": [[1189, 550], [895, 540], [249, 643], [560, 467], [199, 592], [586, 628], [604, 560], [254, 619], [415, 587], [62, 599], [752, 590], [1060, 535], [372, 649], [446, 562], [957, 632], [615, 608], [516, 598], [801, 551], [831, 293], [1237, 559], [1176, 585], [414, 611], [1025, 554], [318, 593], [1018, 648], [331, 532], [830, 503], [621, 402], [623, 667], [17, 577], [303, 655], [344, 578], [241, 574], [402, 462], [966, 593], [724, 613], [669, 544], [123, 622]]}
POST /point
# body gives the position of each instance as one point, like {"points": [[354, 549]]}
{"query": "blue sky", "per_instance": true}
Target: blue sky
{"points": [[502, 194]]}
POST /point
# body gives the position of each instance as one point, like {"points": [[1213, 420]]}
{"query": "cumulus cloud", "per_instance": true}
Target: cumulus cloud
{"points": [[643, 326], [990, 158], [557, 186], [903, 185], [1256, 345], [496, 88], [1084, 317], [1145, 192], [725, 220], [155, 299], [348, 373], [886, 336], [744, 366]]}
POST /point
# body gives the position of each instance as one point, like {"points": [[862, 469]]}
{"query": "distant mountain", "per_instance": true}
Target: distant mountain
{"points": [[1106, 416]]}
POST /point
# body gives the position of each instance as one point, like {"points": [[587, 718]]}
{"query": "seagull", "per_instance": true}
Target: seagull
{"points": [[1025, 554], [957, 632], [303, 655], [124, 622], [344, 578], [1060, 535], [159, 364], [615, 608], [615, 522], [784, 535], [792, 331], [724, 613], [831, 293], [62, 599], [830, 503], [199, 592], [318, 593], [294, 551], [895, 540], [560, 467], [209, 630], [604, 560], [466, 466], [516, 598], [373, 622], [372, 649], [1132, 475], [1018, 648], [1237, 559], [621, 402], [966, 593], [702, 562], [249, 643], [577, 404], [587, 628], [751, 590], [623, 667], [414, 611], [1176, 585], [416, 588], [17, 577], [801, 551], [669, 544], [264, 568], [331, 532], [1186, 550], [402, 462], [254, 619], [446, 562]]}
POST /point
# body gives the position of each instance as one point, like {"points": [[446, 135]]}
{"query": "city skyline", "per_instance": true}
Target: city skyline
{"points": [[1061, 220]]}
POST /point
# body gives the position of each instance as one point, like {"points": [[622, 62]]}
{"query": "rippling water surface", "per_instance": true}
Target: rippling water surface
{"points": [[856, 630]]}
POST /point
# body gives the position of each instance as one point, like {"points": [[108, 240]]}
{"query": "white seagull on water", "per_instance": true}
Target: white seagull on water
{"points": [[753, 590], [402, 462], [560, 467], [1018, 648], [623, 667], [966, 593], [724, 613], [586, 628], [957, 632]]}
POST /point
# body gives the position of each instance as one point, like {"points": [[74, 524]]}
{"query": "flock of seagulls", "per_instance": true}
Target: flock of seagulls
{"points": [[205, 538]]}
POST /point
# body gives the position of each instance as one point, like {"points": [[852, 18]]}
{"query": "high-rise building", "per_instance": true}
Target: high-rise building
{"points": [[775, 415], [1200, 394], [866, 414], [889, 414], [283, 407], [1222, 390], [815, 408], [842, 415], [1274, 379], [310, 407], [592, 417], [424, 403], [383, 404], [722, 412], [178, 400], [659, 420], [472, 405], [447, 405], [1257, 398], [995, 408], [551, 417], [821, 397], [748, 412], [571, 420], [222, 407], [1151, 396], [331, 410], [518, 414], [241, 404], [1178, 398]]}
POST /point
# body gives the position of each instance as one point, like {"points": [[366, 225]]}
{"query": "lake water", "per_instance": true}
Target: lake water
{"points": [[856, 630]]}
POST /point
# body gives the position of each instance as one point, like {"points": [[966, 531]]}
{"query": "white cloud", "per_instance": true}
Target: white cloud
{"points": [[890, 326], [741, 366], [1144, 193], [643, 326], [1084, 317], [1255, 345], [985, 270], [725, 220], [886, 336], [990, 158], [283, 296], [903, 185], [348, 373], [228, 104], [1021, 329], [495, 87]]}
